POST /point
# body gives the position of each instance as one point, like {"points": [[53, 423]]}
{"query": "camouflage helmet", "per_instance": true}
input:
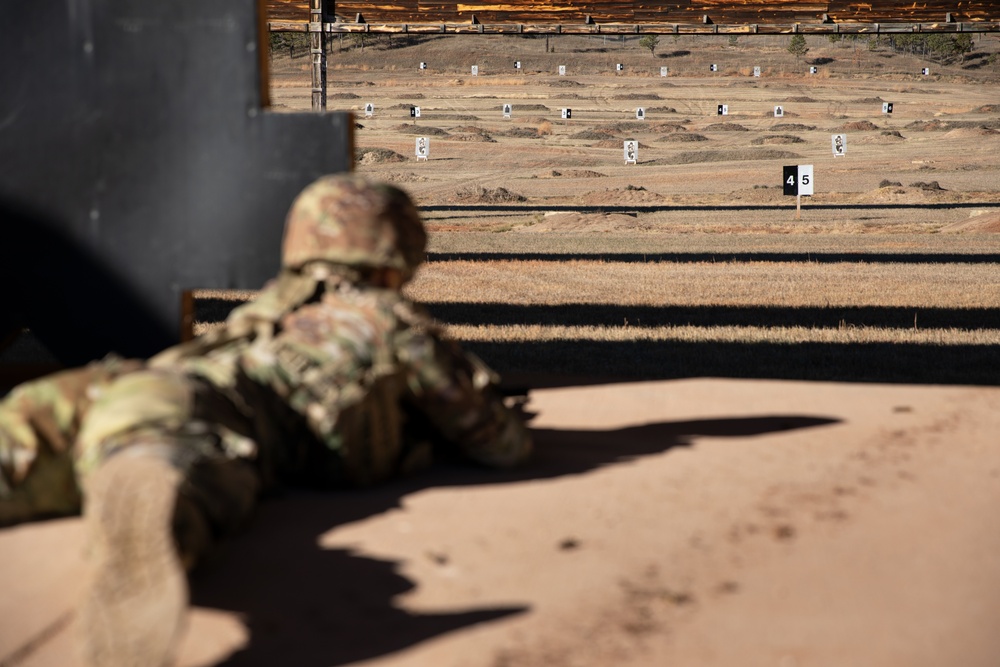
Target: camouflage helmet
{"points": [[353, 222]]}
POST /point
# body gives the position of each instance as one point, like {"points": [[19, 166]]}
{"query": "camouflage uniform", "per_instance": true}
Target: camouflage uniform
{"points": [[328, 378], [39, 423]]}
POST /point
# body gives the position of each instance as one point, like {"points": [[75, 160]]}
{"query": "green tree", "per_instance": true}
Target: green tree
{"points": [[290, 41], [649, 42], [962, 44], [797, 46]]}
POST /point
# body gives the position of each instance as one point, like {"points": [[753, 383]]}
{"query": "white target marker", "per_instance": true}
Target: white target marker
{"points": [[631, 150], [839, 143], [423, 148]]}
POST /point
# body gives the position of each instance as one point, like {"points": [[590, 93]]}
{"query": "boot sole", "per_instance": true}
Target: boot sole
{"points": [[135, 603]]}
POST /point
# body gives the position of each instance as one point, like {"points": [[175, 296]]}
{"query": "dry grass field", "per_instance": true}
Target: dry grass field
{"points": [[549, 254]]}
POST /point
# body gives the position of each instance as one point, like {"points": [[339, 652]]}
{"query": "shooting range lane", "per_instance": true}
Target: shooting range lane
{"points": [[706, 522]]}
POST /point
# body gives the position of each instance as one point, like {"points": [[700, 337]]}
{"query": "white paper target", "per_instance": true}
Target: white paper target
{"points": [[631, 151]]}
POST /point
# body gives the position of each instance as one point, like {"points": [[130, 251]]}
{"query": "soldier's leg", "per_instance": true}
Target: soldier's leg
{"points": [[48, 488], [134, 604], [153, 510]]}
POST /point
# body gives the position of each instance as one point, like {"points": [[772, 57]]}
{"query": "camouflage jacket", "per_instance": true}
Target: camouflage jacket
{"points": [[340, 383]]}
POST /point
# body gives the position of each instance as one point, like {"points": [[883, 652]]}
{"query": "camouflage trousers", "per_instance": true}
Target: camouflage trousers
{"points": [[191, 425], [140, 414]]}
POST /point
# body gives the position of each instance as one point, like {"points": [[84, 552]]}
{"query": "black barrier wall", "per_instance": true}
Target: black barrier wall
{"points": [[136, 162]]}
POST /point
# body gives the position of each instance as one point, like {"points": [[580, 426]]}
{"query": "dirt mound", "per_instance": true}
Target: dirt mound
{"points": [[421, 130], [787, 114], [858, 126], [969, 132], [584, 222], [530, 107], [983, 223], [667, 127], [480, 137], [575, 173], [407, 105], [625, 126], [342, 96], [521, 133], [455, 116], [477, 194], [867, 100], [776, 139], [988, 108], [377, 156], [594, 135], [637, 96], [565, 83], [802, 98], [626, 196], [681, 137], [661, 110], [616, 143], [403, 177], [692, 157], [926, 125], [469, 129], [933, 185], [791, 127], [884, 137], [725, 127]]}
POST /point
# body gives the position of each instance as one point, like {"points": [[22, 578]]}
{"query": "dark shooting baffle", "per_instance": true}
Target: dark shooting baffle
{"points": [[137, 162]]}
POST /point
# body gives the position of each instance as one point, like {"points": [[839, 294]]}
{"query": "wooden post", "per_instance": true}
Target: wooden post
{"points": [[317, 46], [798, 207], [264, 55]]}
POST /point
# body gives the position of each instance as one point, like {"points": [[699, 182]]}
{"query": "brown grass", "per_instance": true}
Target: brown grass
{"points": [[746, 283]]}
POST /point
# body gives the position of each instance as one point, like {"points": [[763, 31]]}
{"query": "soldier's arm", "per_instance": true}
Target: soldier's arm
{"points": [[458, 395]]}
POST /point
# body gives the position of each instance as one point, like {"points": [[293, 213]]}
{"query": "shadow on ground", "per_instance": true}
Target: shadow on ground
{"points": [[311, 607]]}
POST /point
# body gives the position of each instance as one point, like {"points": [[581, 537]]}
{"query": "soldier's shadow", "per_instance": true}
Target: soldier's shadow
{"points": [[309, 606]]}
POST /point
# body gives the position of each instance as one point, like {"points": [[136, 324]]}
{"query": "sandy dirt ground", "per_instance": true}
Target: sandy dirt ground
{"points": [[692, 522]]}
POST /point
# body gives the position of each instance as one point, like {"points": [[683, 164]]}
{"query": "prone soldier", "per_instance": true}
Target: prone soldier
{"points": [[331, 377]]}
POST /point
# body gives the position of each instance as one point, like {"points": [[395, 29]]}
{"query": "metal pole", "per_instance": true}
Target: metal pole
{"points": [[317, 44]]}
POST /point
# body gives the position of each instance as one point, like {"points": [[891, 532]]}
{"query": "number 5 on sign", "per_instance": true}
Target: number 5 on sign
{"points": [[805, 180]]}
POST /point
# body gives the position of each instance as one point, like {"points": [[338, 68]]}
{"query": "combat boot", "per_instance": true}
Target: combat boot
{"points": [[135, 603]]}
